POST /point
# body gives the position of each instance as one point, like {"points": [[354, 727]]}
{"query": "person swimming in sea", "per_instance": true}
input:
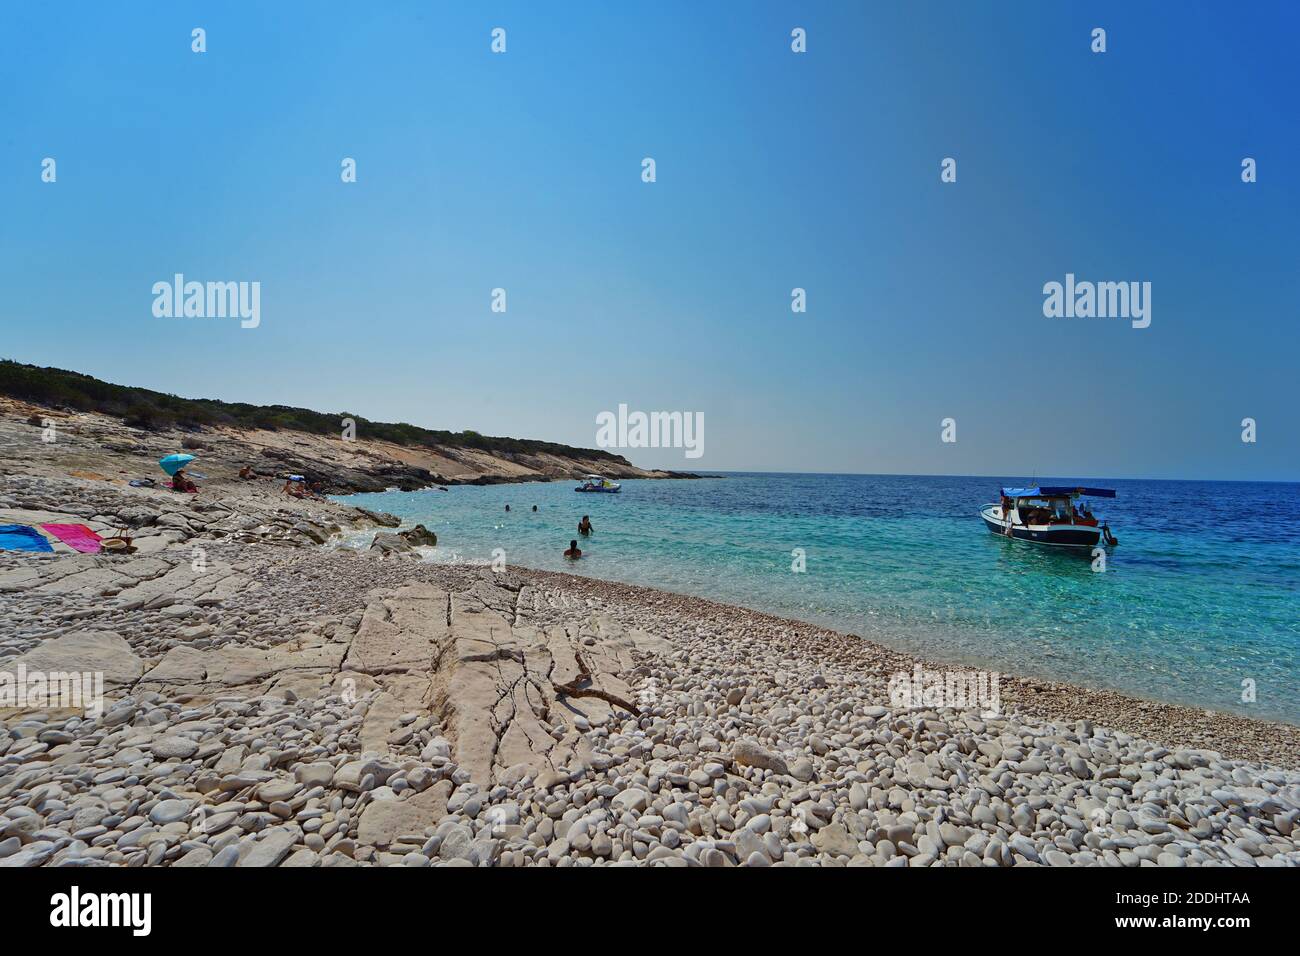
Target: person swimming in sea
{"points": [[584, 526], [507, 507], [574, 552]]}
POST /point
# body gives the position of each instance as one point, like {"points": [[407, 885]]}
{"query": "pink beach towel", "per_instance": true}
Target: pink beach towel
{"points": [[76, 536]]}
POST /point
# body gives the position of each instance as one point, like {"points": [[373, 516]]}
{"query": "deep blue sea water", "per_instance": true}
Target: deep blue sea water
{"points": [[1202, 592]]}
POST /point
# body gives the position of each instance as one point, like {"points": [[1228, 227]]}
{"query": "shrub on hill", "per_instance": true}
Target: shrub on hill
{"points": [[146, 409]]}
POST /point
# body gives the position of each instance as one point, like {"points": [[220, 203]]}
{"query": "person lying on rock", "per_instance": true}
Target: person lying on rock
{"points": [[294, 489]]}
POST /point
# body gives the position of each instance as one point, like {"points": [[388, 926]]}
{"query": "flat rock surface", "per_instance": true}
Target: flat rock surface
{"points": [[86, 651]]}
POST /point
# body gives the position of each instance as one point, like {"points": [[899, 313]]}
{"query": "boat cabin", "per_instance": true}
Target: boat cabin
{"points": [[1050, 510]]}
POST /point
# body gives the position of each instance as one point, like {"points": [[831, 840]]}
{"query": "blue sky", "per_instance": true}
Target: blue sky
{"points": [[775, 170]]}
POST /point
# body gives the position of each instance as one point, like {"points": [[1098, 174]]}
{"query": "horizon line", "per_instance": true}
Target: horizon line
{"points": [[909, 474]]}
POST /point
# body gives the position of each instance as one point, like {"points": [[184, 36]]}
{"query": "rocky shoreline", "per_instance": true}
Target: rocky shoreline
{"points": [[273, 700], [109, 449]]}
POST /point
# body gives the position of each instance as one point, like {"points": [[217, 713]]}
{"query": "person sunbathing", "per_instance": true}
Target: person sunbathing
{"points": [[574, 552], [182, 482], [294, 489], [584, 526], [247, 472]]}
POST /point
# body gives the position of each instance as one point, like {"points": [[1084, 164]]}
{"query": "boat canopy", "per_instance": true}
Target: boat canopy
{"points": [[1057, 491]]}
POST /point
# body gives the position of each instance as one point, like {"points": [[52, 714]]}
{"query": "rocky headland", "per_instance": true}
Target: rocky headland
{"points": [[106, 448]]}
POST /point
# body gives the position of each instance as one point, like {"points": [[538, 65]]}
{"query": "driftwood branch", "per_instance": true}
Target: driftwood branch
{"points": [[574, 689], [583, 668]]}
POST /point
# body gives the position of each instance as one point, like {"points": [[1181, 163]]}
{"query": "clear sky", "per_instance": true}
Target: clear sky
{"points": [[775, 170]]}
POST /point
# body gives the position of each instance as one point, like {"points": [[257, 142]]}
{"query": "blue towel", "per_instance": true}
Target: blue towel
{"points": [[21, 537]]}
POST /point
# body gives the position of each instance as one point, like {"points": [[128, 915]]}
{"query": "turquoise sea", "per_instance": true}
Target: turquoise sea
{"points": [[1201, 594]]}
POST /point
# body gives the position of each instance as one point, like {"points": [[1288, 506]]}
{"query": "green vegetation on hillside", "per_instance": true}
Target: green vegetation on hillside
{"points": [[143, 408]]}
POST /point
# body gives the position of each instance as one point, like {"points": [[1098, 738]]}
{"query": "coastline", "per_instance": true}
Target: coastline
{"points": [[1169, 626], [272, 701], [1174, 725]]}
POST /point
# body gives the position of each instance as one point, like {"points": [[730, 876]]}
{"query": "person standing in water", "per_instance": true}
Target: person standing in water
{"points": [[507, 507], [574, 552], [584, 526]]}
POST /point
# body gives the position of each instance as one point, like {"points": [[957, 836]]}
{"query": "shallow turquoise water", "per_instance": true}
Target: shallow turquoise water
{"points": [[1202, 592]]}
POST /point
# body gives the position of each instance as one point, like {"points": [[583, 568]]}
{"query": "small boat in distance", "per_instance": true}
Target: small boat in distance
{"points": [[598, 483], [1048, 515]]}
